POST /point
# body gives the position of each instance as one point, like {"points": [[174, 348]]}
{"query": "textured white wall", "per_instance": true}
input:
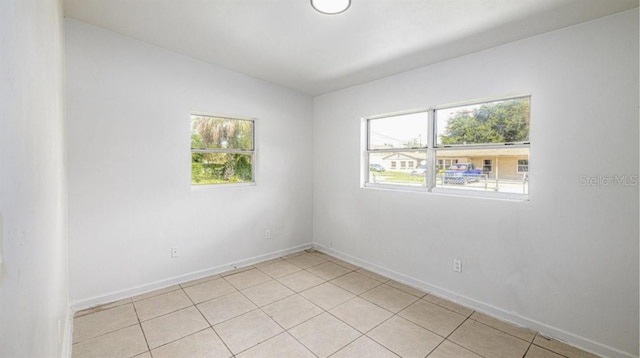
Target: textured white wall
{"points": [[33, 211], [565, 263], [129, 167]]}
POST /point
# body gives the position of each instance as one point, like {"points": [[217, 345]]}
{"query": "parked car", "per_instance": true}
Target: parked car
{"points": [[376, 168], [461, 173], [420, 170]]}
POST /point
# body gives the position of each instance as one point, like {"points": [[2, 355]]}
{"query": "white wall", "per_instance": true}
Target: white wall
{"points": [[33, 213], [565, 263], [130, 199]]}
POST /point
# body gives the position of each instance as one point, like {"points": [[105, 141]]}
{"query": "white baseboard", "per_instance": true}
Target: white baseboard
{"points": [[67, 337], [133, 291], [544, 329]]}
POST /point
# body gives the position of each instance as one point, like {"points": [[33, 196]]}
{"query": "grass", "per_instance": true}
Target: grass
{"points": [[396, 177]]}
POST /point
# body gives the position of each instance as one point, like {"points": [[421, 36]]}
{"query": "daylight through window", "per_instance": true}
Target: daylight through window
{"points": [[475, 148], [222, 150]]}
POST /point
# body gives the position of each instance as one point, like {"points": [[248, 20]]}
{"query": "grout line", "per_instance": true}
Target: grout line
{"points": [[325, 259], [106, 333], [209, 323], [141, 329], [505, 332], [449, 335]]}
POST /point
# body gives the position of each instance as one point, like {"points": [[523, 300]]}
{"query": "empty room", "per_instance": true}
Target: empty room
{"points": [[319, 178]]}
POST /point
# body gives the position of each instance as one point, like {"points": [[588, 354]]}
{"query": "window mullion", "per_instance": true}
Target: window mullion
{"points": [[430, 178]]}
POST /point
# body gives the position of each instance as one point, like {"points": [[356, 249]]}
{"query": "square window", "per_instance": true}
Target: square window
{"points": [[222, 150]]}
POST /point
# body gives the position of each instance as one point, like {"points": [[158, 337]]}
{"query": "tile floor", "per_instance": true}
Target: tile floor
{"points": [[307, 304]]}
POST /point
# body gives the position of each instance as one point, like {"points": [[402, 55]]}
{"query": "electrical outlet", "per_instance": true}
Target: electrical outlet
{"points": [[457, 265], [267, 234], [174, 252]]}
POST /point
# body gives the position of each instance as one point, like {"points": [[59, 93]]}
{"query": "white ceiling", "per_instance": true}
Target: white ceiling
{"points": [[288, 43]]}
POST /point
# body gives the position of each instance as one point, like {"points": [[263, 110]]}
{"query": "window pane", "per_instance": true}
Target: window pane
{"points": [[221, 133], [466, 169], [403, 131], [492, 122], [523, 166], [406, 168], [216, 168]]}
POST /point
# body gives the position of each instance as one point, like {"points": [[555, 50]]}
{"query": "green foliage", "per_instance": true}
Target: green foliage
{"points": [[211, 168], [497, 122], [221, 133], [216, 132]]}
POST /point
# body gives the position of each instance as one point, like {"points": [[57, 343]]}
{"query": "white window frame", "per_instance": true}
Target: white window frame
{"points": [[431, 149], [252, 152]]}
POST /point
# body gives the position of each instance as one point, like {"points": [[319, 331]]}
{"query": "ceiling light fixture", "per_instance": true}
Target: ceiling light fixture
{"points": [[331, 7]]}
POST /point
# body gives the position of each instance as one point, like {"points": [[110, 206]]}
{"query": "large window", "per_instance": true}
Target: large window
{"points": [[222, 150], [474, 148]]}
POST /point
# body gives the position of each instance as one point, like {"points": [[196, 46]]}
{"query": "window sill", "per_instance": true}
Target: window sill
{"points": [[207, 187], [450, 192]]}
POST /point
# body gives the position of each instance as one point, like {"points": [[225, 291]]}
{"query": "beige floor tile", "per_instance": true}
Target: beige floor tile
{"points": [[209, 290], [372, 275], [247, 278], [561, 348], [279, 269], [281, 346], [324, 334], [317, 252], [328, 270], [294, 254], [203, 344], [103, 307], [301, 280], [199, 281], [487, 341], [143, 355], [291, 311], [406, 288], [126, 342], [451, 350], [306, 260], [261, 264], [364, 347], [160, 305], [226, 307], [356, 283], [343, 263], [155, 293], [516, 331], [105, 321], [361, 314], [327, 295], [432, 317], [389, 298], [537, 352], [267, 292], [465, 311], [236, 270], [405, 338], [173, 326], [246, 331]]}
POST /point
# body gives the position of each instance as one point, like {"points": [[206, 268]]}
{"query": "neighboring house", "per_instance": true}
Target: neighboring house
{"points": [[503, 163], [401, 162], [508, 163]]}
